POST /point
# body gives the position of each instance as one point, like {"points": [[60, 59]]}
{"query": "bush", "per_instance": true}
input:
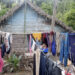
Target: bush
{"points": [[14, 61], [3, 11]]}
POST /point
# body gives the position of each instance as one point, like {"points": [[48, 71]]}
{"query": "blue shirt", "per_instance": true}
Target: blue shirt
{"points": [[45, 50]]}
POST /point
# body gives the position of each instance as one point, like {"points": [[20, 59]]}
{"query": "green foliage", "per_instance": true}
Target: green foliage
{"points": [[73, 5], [39, 2], [47, 8], [13, 5], [3, 6], [66, 12], [70, 18], [14, 61], [59, 15], [3, 11]]}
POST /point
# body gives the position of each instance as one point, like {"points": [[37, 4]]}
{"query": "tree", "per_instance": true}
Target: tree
{"points": [[70, 18], [47, 8]]}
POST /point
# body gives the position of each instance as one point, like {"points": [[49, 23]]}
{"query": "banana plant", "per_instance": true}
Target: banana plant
{"points": [[14, 61]]}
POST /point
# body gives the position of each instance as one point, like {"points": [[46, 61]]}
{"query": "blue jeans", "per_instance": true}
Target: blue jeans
{"points": [[64, 48]]}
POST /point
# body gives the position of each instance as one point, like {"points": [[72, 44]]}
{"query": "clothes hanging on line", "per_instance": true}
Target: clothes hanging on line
{"points": [[64, 48], [36, 44], [30, 44], [54, 42], [28, 40], [33, 46], [45, 38], [47, 66], [58, 42], [3, 50], [72, 47], [37, 36], [34, 64], [51, 39], [54, 46], [8, 42], [1, 39], [42, 64], [5, 42], [1, 62]]}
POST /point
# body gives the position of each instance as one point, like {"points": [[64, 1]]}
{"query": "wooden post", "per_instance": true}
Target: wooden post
{"points": [[25, 15], [25, 18], [54, 14]]}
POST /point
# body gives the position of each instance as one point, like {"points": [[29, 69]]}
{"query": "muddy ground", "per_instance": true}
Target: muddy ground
{"points": [[19, 73]]}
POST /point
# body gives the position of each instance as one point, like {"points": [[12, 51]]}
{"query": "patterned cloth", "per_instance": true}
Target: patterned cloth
{"points": [[1, 62]]}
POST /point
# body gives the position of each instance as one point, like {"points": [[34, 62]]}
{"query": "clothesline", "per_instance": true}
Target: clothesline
{"points": [[4, 32], [33, 32], [29, 32], [60, 43]]}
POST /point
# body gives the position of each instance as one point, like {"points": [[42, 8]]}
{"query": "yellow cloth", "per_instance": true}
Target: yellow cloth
{"points": [[37, 36]]}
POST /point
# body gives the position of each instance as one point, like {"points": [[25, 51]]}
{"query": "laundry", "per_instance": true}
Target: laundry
{"points": [[28, 41], [33, 46], [57, 42], [42, 64], [72, 47], [37, 36], [34, 64], [38, 43], [64, 48], [45, 38], [53, 47], [5, 43], [67, 73], [51, 39], [1, 40], [56, 71], [1, 62], [3, 50], [8, 42], [47, 66]]}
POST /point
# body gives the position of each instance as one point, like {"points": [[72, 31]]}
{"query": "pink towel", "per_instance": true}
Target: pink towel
{"points": [[30, 45], [1, 62]]}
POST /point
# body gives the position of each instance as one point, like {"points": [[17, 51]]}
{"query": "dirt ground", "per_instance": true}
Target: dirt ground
{"points": [[19, 73]]}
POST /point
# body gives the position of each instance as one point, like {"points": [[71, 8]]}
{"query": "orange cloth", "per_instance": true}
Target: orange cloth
{"points": [[37, 36]]}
